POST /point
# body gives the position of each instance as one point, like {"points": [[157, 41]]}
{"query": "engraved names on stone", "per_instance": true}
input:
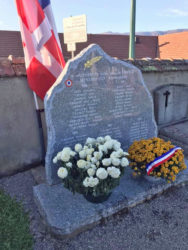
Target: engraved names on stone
{"points": [[139, 129], [84, 106]]}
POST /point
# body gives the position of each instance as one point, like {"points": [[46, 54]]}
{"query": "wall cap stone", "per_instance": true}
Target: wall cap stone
{"points": [[12, 66], [15, 66], [158, 65], [6, 68]]}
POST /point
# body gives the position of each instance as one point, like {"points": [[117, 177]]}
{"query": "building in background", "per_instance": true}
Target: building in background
{"points": [[170, 46], [173, 46]]}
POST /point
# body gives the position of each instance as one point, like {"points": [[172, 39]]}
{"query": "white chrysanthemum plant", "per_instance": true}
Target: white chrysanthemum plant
{"points": [[94, 168]]}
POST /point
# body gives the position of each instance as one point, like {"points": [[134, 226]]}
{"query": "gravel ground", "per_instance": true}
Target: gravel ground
{"points": [[161, 223]]}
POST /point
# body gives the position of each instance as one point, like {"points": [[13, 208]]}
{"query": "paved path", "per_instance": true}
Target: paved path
{"points": [[160, 224]]}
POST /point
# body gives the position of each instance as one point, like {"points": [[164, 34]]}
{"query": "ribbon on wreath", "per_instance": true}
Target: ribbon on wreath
{"points": [[161, 159]]}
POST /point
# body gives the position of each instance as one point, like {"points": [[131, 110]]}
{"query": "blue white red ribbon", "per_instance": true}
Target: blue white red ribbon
{"points": [[161, 159]]}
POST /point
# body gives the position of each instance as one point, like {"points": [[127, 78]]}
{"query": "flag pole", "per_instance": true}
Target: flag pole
{"points": [[132, 30], [41, 134]]}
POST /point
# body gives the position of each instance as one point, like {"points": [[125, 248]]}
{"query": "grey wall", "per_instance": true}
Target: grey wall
{"points": [[157, 79], [19, 136]]}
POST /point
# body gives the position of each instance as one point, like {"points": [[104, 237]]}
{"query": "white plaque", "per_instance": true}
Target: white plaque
{"points": [[75, 30], [71, 47]]}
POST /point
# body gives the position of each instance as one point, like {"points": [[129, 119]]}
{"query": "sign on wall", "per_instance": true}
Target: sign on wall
{"points": [[75, 30], [71, 47]]}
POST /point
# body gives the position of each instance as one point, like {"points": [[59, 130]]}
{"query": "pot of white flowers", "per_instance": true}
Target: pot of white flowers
{"points": [[93, 169]]}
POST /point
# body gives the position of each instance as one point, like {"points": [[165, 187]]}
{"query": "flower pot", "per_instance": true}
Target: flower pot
{"points": [[152, 179], [97, 199]]}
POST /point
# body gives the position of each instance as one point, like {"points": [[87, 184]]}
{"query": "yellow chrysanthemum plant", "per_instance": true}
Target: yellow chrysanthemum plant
{"points": [[156, 157]]}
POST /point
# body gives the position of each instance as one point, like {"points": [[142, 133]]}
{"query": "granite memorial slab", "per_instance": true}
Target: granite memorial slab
{"points": [[96, 95]]}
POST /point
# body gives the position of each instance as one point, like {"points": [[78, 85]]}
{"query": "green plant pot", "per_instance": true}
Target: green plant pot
{"points": [[97, 199]]}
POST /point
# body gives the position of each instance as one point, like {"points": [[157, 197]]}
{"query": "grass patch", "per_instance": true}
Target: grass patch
{"points": [[14, 225]]}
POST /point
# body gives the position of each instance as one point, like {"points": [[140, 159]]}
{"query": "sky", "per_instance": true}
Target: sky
{"points": [[109, 15]]}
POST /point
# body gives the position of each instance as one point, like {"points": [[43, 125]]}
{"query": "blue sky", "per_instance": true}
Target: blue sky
{"points": [[109, 15]]}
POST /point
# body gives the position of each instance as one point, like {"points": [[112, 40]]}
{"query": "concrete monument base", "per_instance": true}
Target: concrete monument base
{"points": [[66, 214]]}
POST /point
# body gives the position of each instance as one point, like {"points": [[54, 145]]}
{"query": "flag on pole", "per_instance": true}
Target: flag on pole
{"points": [[43, 56]]}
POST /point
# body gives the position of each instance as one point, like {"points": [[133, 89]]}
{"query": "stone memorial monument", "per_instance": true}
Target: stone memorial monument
{"points": [[96, 95]]}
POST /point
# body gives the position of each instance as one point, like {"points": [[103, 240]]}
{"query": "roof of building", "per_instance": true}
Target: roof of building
{"points": [[114, 45], [173, 45], [10, 44], [170, 46]]}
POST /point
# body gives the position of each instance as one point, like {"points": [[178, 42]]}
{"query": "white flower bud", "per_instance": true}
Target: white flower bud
{"points": [[108, 144], [78, 147], [86, 182], [55, 160], [58, 156], [66, 149], [93, 181], [90, 181], [100, 147], [93, 160], [98, 155], [62, 172], [113, 172], [65, 156], [89, 151], [93, 166], [81, 163], [90, 140], [88, 158], [97, 163], [88, 164], [106, 161], [101, 173], [72, 153], [114, 155], [91, 172], [120, 153], [124, 162], [107, 138], [100, 139], [69, 164], [82, 154], [117, 145], [116, 161]]}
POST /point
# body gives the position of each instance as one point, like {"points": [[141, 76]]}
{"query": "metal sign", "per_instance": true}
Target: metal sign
{"points": [[75, 30], [71, 47]]}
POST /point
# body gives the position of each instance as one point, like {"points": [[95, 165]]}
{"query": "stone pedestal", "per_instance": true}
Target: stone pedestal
{"points": [[66, 214]]}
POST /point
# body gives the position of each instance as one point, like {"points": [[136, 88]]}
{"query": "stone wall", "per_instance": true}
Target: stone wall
{"points": [[19, 134], [158, 72]]}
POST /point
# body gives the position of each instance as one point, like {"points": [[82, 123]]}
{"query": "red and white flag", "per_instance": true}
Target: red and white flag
{"points": [[43, 56]]}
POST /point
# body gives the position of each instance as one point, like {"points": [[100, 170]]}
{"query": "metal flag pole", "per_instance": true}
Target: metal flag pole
{"points": [[132, 30], [38, 112]]}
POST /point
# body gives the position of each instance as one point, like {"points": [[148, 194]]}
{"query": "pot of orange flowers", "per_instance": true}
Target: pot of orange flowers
{"points": [[156, 158]]}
